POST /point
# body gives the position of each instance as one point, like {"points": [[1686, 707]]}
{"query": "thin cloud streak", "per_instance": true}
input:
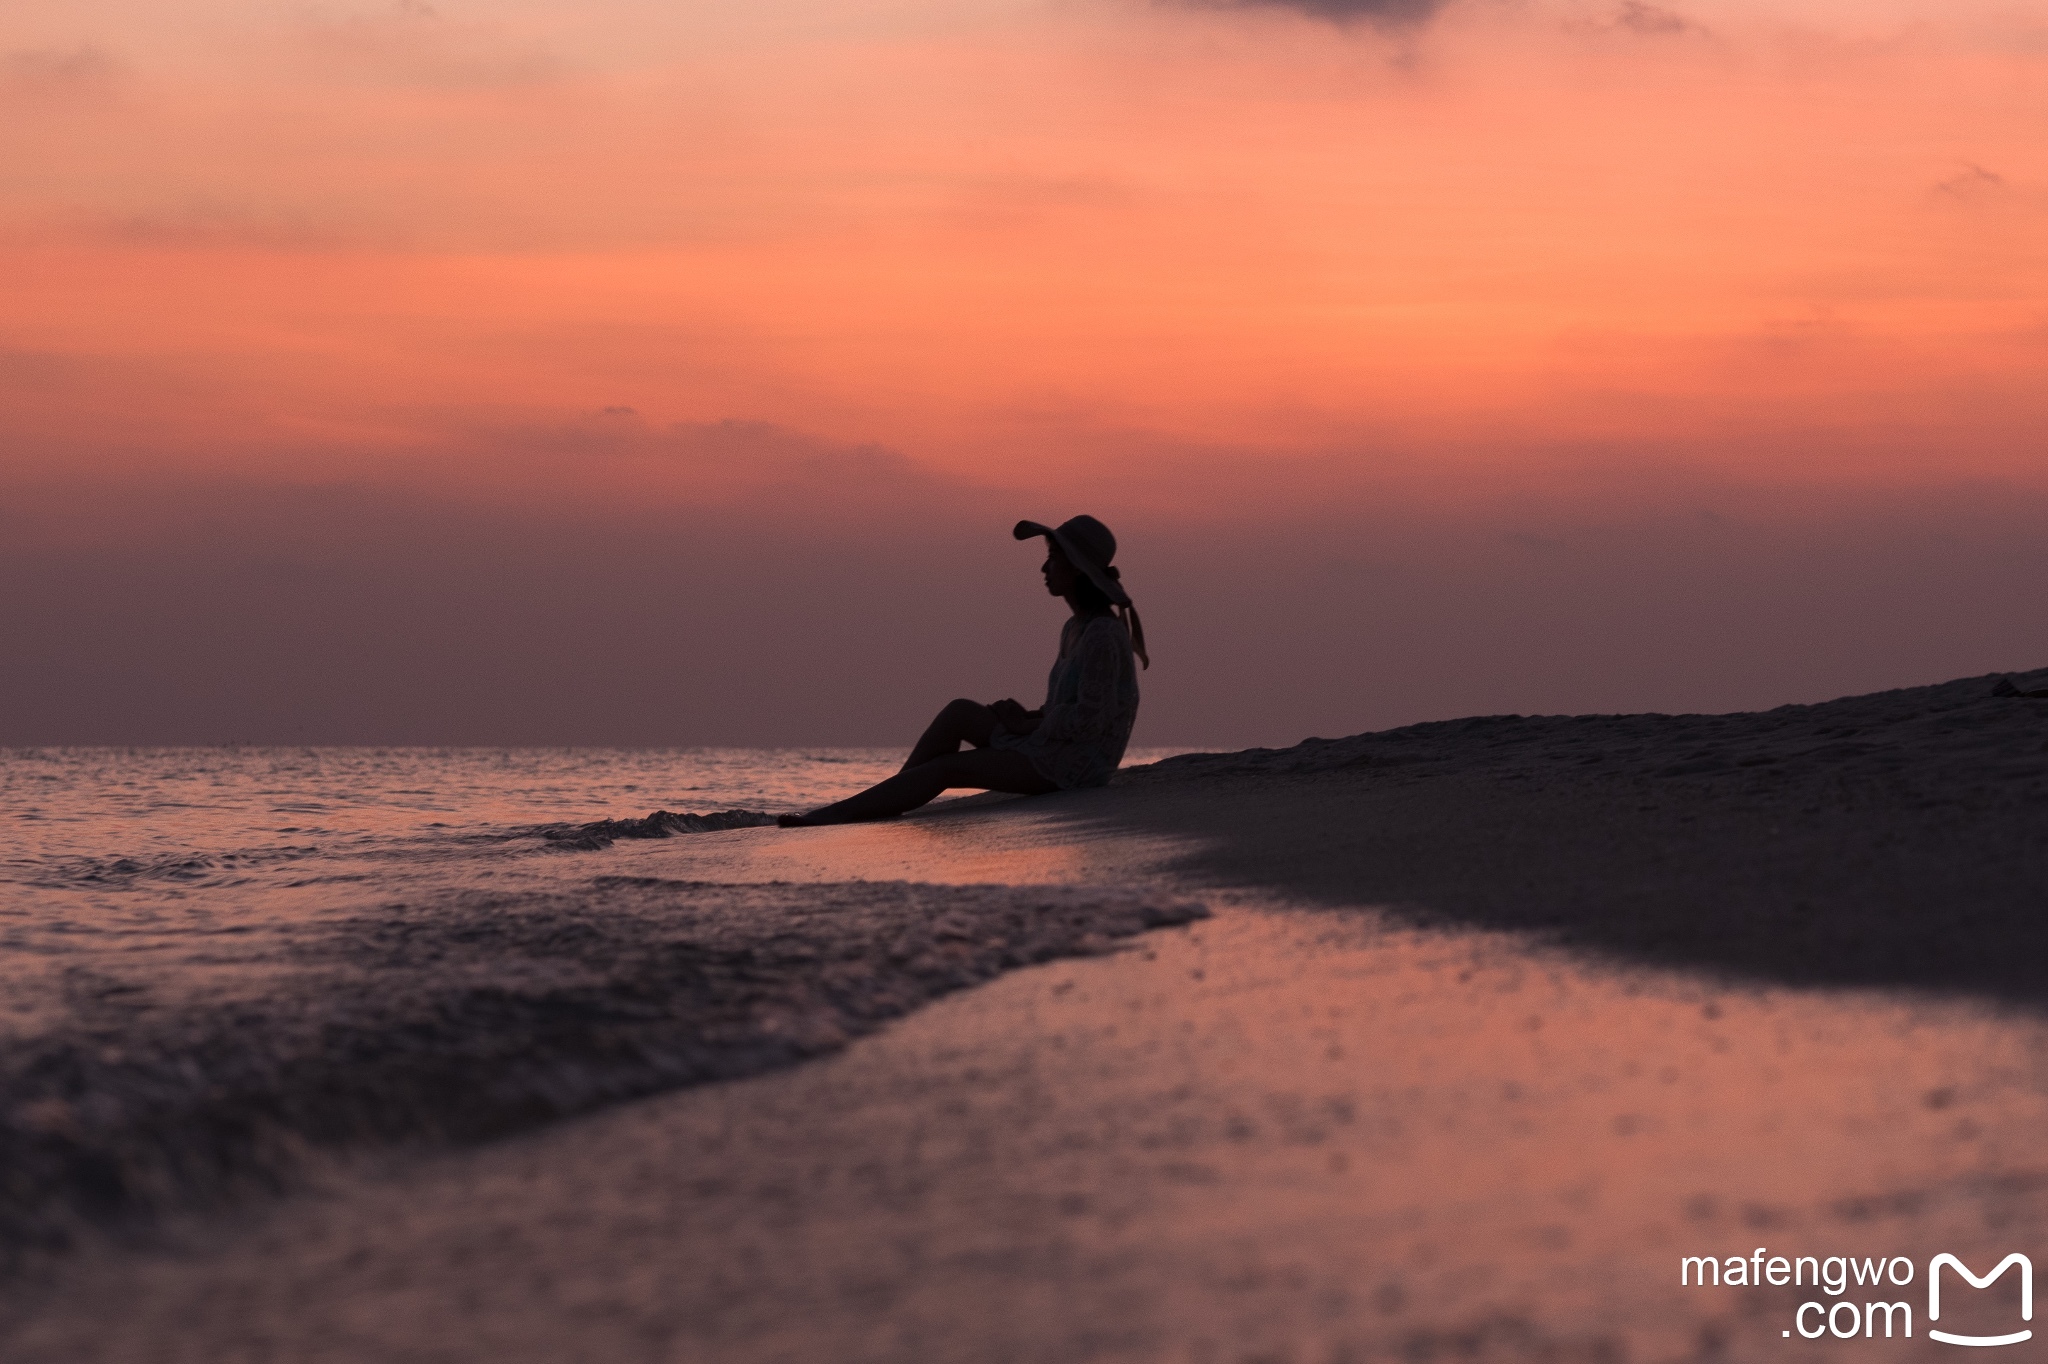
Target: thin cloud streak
{"points": [[57, 71], [1652, 20], [1390, 14]]}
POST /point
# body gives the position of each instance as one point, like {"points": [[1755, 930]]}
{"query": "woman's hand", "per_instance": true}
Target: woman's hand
{"points": [[1013, 718]]}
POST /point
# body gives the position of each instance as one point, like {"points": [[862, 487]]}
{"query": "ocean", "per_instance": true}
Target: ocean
{"points": [[219, 967]]}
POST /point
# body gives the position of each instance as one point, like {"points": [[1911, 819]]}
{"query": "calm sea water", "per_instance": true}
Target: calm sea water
{"points": [[93, 835], [213, 958], [136, 848], [151, 803]]}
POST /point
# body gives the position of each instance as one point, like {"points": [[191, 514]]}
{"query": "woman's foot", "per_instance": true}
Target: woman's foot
{"points": [[831, 814]]}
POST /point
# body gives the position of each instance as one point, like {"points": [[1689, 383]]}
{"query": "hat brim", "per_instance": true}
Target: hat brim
{"points": [[1111, 588]]}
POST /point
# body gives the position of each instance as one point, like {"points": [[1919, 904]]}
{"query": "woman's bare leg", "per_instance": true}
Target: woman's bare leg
{"points": [[987, 769], [961, 721]]}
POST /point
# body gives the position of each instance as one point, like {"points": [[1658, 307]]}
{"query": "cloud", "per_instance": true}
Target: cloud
{"points": [[1380, 13], [786, 474], [1651, 20], [211, 223], [42, 371], [51, 73], [1973, 182], [1640, 18], [410, 44]]}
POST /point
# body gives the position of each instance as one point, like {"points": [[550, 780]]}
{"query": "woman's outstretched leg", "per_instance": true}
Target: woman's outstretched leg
{"points": [[987, 769], [960, 722]]}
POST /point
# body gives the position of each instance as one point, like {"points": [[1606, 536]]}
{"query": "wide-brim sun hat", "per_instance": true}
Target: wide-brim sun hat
{"points": [[1089, 546]]}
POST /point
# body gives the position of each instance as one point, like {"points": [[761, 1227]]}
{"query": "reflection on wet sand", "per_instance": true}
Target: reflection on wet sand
{"points": [[960, 842]]}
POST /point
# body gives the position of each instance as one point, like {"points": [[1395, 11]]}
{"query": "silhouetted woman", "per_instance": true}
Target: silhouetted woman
{"points": [[1076, 739]]}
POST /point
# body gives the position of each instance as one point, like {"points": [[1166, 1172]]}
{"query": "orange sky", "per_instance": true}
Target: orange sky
{"points": [[957, 229], [1195, 253]]}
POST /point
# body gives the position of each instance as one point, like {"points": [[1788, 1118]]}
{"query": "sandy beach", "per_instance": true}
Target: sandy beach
{"points": [[1493, 1023]]}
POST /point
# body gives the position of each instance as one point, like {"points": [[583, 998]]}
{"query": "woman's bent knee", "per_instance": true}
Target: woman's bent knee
{"points": [[969, 720]]}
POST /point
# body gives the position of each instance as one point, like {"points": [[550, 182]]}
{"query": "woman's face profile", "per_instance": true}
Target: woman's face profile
{"points": [[1061, 577]]}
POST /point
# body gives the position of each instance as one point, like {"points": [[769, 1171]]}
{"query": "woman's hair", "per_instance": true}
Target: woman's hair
{"points": [[1091, 596]]}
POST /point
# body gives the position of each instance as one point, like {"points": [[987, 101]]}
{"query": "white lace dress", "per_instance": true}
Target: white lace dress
{"points": [[1091, 702]]}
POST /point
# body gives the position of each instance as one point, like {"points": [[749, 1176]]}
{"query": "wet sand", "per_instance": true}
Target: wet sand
{"points": [[1494, 1023]]}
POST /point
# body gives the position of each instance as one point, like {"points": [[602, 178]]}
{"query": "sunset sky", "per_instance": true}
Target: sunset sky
{"points": [[500, 371]]}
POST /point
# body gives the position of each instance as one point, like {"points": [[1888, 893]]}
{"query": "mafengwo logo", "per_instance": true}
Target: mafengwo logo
{"points": [[1852, 1315]]}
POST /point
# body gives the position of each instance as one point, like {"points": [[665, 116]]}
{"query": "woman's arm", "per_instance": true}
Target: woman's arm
{"points": [[1012, 718]]}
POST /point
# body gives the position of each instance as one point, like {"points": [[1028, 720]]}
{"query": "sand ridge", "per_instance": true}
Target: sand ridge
{"points": [[1898, 839]]}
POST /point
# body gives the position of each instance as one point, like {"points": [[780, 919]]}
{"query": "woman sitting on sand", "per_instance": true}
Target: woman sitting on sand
{"points": [[1076, 740]]}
